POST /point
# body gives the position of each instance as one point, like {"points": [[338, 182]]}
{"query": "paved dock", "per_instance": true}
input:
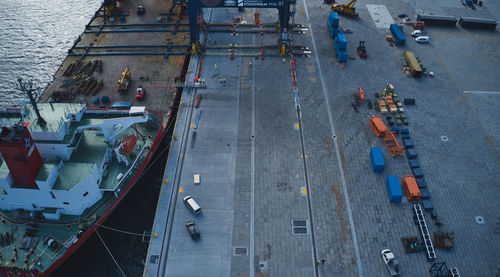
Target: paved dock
{"points": [[286, 178], [122, 43]]}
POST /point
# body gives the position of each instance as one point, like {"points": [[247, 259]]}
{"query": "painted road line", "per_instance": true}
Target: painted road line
{"points": [[337, 152], [479, 92], [380, 15]]}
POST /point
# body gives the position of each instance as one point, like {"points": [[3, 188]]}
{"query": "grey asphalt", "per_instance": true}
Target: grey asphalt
{"points": [[249, 154]]}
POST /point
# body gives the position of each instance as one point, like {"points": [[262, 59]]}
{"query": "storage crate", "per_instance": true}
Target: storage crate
{"points": [[411, 153], [425, 193], [408, 143], [414, 163], [417, 172], [421, 183], [427, 205]]}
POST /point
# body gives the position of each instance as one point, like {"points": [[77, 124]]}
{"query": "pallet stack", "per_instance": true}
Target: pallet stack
{"points": [[340, 41], [340, 44], [333, 23]]}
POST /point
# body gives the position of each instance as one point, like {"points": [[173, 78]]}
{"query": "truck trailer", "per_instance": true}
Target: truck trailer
{"points": [[397, 34]]}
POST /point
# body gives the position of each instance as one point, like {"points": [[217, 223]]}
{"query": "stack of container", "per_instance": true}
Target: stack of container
{"points": [[340, 44], [333, 23]]}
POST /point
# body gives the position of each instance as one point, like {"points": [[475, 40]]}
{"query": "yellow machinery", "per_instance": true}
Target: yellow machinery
{"points": [[124, 80], [346, 9], [109, 7]]}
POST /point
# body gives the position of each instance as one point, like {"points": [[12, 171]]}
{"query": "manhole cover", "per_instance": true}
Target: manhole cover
{"points": [[299, 227], [299, 230], [479, 219], [263, 266], [299, 223], [444, 138], [240, 251]]}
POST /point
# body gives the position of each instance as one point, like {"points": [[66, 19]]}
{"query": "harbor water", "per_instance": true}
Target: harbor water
{"points": [[35, 36]]}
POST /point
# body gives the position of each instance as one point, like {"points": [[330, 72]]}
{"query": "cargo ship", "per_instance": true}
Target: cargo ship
{"points": [[64, 168]]}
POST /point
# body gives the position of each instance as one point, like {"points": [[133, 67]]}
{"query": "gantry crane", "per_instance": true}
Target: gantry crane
{"points": [[346, 9]]}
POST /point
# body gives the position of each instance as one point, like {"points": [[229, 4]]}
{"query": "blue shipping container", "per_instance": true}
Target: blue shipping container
{"points": [[377, 159], [341, 56], [397, 34], [341, 41], [121, 105], [394, 189], [333, 19], [334, 30]]}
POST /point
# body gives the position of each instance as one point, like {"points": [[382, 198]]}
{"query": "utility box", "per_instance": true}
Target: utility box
{"points": [[196, 179], [394, 189], [377, 159], [410, 188]]}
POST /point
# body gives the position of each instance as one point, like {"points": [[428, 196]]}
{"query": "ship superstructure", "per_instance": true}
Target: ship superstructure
{"points": [[58, 178]]}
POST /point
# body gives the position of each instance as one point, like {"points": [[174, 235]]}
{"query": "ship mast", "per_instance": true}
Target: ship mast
{"points": [[27, 87]]}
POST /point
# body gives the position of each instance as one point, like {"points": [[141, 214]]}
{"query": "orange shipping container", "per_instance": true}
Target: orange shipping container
{"points": [[378, 126], [410, 188]]}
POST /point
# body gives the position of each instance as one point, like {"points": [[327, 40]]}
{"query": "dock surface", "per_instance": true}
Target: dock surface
{"points": [[286, 178], [137, 41]]}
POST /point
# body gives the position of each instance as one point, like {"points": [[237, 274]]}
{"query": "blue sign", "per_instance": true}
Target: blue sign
{"points": [[27, 143]]}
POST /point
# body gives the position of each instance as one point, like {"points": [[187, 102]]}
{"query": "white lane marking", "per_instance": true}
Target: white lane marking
{"points": [[479, 92], [334, 137], [380, 15]]}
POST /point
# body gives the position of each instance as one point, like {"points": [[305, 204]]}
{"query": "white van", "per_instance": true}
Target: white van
{"points": [[422, 39], [192, 205]]}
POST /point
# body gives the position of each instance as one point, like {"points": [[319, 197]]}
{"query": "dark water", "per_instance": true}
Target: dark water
{"points": [[34, 38]]}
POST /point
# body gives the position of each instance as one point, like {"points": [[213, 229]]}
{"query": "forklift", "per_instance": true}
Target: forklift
{"points": [[362, 49]]}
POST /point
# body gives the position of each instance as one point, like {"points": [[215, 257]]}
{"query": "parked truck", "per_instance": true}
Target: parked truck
{"points": [[412, 62], [397, 34]]}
